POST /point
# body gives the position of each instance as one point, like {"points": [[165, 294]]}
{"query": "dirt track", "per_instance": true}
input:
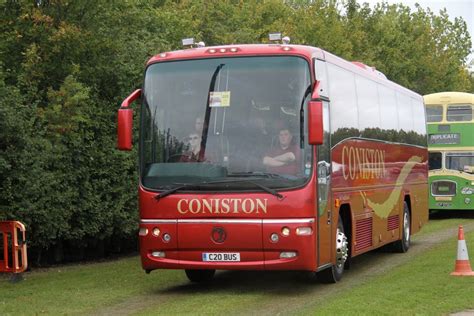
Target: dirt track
{"points": [[286, 291]]}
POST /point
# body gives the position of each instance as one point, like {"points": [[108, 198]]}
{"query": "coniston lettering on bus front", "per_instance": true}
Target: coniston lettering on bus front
{"points": [[222, 206]]}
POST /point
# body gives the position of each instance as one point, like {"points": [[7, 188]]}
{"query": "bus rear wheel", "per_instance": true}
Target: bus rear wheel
{"points": [[334, 273], [200, 276], [404, 244]]}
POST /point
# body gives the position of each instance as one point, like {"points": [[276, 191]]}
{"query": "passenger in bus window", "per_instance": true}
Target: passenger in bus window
{"points": [[194, 147], [199, 125], [284, 157]]}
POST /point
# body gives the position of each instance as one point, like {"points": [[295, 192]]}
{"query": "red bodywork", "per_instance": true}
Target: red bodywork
{"points": [[191, 224]]}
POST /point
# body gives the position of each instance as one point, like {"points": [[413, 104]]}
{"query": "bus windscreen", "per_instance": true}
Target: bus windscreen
{"points": [[225, 118]]}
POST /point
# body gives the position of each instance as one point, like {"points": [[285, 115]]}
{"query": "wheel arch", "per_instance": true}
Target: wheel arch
{"points": [[345, 214]]}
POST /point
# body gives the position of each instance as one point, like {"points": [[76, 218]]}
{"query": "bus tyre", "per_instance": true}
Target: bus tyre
{"points": [[334, 274], [200, 276], [403, 244]]}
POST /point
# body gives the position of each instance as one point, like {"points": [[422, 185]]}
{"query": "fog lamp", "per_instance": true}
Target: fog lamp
{"points": [[143, 231], [274, 237], [304, 231], [158, 254], [285, 231], [166, 237], [287, 254]]}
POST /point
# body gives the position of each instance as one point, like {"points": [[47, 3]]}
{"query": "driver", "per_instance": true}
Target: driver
{"points": [[194, 143], [283, 159]]}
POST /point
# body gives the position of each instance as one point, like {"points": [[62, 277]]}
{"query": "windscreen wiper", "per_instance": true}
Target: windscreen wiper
{"points": [[257, 174], [180, 186], [191, 185]]}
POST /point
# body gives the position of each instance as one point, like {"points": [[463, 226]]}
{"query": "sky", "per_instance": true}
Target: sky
{"points": [[455, 8]]}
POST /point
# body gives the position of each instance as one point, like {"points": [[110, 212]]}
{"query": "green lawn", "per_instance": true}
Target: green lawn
{"points": [[423, 286], [81, 289]]}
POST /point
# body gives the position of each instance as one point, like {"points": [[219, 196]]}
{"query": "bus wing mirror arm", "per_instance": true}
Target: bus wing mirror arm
{"points": [[125, 122]]}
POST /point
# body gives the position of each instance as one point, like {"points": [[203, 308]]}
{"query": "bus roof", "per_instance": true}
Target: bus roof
{"points": [[308, 52], [449, 98]]}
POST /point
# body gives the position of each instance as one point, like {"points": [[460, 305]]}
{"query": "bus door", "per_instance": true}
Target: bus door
{"points": [[324, 207]]}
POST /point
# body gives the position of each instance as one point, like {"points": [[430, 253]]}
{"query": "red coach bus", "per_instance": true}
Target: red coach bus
{"points": [[274, 157]]}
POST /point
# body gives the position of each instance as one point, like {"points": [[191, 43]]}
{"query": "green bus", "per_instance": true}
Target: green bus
{"points": [[450, 126]]}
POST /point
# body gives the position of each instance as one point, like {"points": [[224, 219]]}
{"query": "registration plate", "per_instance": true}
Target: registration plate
{"points": [[221, 256]]}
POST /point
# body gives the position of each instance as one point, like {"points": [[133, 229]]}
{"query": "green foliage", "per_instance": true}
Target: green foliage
{"points": [[65, 66]]}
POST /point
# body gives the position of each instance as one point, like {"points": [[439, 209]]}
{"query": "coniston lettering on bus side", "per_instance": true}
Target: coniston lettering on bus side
{"points": [[363, 163], [222, 206]]}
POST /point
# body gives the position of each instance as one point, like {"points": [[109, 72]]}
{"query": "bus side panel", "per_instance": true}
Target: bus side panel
{"points": [[375, 178]]}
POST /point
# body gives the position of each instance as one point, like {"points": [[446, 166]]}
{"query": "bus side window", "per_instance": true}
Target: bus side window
{"points": [[435, 160], [459, 113]]}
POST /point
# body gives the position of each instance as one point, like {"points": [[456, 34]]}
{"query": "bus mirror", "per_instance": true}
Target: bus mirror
{"points": [[124, 129], [125, 121], [315, 122]]}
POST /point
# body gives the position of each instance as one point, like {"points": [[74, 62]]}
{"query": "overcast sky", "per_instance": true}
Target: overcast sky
{"points": [[455, 8]]}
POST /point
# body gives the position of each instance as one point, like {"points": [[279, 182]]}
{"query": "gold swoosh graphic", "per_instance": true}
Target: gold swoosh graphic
{"points": [[383, 209]]}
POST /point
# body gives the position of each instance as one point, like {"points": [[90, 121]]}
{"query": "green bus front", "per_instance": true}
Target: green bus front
{"points": [[451, 152]]}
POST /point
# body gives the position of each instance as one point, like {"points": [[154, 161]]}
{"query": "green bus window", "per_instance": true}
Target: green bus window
{"points": [[434, 113], [460, 161], [459, 113], [435, 161]]}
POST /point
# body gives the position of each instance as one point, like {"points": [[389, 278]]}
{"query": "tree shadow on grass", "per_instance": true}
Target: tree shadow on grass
{"points": [[447, 214]]}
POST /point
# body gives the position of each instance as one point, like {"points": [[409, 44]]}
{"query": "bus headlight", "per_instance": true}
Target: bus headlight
{"points": [[158, 254], [466, 190]]}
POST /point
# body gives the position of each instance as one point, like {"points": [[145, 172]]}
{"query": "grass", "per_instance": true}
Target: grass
{"points": [[423, 286], [79, 289]]}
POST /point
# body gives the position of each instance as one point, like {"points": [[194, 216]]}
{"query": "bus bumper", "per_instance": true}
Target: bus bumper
{"points": [[252, 245]]}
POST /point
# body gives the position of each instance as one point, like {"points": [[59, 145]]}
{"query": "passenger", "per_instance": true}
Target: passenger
{"points": [[283, 159], [194, 143], [193, 154], [199, 125]]}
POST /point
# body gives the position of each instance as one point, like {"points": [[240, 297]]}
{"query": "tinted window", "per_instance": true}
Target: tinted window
{"points": [[405, 114], [218, 119], [342, 92], [367, 102], [388, 108], [435, 161], [322, 77], [458, 113], [434, 113], [419, 124]]}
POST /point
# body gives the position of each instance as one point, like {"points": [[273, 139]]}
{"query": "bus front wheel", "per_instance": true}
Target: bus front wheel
{"points": [[334, 273], [200, 276]]}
